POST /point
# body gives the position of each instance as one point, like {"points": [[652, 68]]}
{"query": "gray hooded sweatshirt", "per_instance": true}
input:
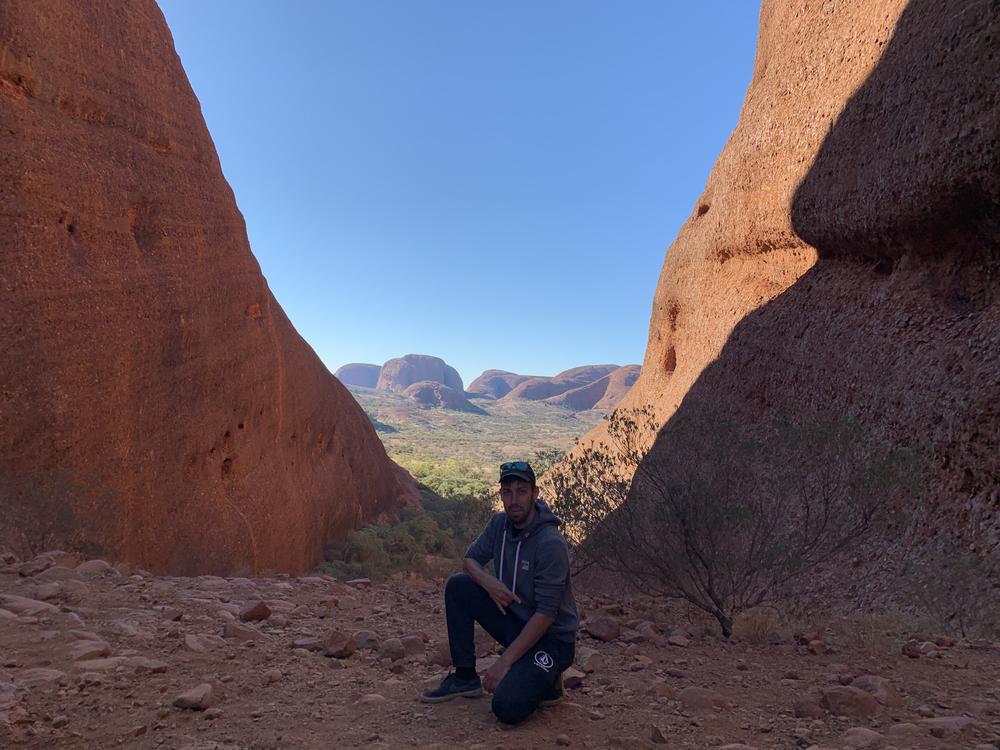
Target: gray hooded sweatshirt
{"points": [[534, 564]]}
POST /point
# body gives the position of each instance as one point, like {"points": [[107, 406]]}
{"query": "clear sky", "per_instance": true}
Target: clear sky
{"points": [[493, 183]]}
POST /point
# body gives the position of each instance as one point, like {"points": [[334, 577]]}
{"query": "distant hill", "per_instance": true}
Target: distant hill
{"points": [[358, 373], [539, 389], [496, 383], [429, 394], [604, 393], [400, 373]]}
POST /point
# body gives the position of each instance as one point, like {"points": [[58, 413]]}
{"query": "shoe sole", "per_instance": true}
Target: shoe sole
{"points": [[441, 699], [552, 701]]}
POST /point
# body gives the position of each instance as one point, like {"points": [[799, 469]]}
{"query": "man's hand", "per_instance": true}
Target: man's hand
{"points": [[500, 594], [495, 674]]}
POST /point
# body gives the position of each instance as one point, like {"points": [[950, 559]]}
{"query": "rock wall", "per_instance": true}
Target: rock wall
{"points": [[844, 256], [150, 385]]}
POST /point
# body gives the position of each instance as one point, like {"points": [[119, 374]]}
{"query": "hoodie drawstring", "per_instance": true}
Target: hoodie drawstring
{"points": [[517, 555]]}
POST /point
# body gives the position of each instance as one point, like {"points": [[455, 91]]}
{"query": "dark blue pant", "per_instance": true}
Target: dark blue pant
{"points": [[531, 677]]}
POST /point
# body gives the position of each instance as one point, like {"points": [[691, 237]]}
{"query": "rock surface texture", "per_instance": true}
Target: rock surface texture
{"points": [[358, 373], [400, 373], [150, 386], [844, 257]]}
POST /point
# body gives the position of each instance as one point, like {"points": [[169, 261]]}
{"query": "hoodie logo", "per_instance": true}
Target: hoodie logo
{"points": [[525, 565], [543, 660]]}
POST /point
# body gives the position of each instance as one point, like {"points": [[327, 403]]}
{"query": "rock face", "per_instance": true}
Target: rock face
{"points": [[604, 393], [538, 388], [429, 394], [153, 395], [400, 373], [496, 383], [844, 256], [359, 374]]}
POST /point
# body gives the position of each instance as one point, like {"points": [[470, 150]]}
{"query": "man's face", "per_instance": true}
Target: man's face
{"points": [[518, 499]]}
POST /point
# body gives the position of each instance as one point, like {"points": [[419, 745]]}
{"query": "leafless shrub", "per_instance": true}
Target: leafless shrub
{"points": [[722, 516]]}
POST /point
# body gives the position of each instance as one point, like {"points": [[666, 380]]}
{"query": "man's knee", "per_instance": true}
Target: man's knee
{"points": [[509, 709], [457, 585]]}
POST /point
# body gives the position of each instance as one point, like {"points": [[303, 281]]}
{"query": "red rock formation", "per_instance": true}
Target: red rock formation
{"points": [[539, 388], [845, 254], [359, 374], [496, 383], [400, 373], [149, 381], [429, 393], [600, 394]]}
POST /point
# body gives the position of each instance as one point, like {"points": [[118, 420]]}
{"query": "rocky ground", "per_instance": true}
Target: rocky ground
{"points": [[94, 656]]}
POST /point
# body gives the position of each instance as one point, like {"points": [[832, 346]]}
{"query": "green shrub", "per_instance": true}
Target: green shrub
{"points": [[454, 509]]}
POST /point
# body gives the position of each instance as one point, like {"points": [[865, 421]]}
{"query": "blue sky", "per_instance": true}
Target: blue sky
{"points": [[491, 183]]}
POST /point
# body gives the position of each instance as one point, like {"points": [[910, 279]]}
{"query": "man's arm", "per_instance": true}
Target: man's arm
{"points": [[532, 632]]}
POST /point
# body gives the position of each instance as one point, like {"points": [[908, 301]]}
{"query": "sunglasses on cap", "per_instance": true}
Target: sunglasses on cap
{"points": [[515, 466]]}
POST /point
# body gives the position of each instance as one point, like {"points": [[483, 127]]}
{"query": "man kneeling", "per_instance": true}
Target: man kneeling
{"points": [[528, 607]]}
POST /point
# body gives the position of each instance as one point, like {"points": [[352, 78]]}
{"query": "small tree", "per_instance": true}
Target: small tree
{"points": [[724, 517]]}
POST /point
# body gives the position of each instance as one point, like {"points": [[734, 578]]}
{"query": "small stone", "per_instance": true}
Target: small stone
{"points": [[60, 721], [213, 713], [563, 740], [242, 633], [700, 699], [413, 645], [272, 676], [255, 612], [392, 649], [93, 568], [603, 628], [360, 583], [338, 645], [843, 700], [678, 640], [573, 678], [84, 650], [658, 734], [197, 698]]}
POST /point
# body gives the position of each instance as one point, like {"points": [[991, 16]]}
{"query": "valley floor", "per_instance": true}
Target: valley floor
{"points": [[101, 660]]}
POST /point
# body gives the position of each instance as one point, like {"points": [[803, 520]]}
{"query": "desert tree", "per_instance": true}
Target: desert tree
{"points": [[723, 515]]}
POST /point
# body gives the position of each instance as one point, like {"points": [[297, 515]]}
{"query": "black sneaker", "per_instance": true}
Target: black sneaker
{"points": [[554, 694], [452, 687]]}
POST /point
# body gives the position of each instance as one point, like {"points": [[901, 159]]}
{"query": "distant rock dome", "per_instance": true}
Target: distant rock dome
{"points": [[400, 373], [360, 374]]}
